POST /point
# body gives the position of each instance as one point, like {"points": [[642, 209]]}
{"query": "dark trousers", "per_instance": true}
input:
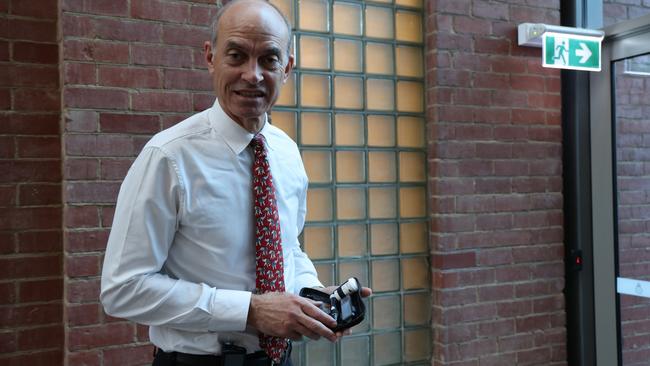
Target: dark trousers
{"points": [[184, 359]]}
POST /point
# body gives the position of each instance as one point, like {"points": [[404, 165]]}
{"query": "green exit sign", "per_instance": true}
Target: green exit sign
{"points": [[574, 52]]}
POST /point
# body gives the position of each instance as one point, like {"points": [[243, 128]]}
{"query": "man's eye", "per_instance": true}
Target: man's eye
{"points": [[272, 60], [234, 56]]}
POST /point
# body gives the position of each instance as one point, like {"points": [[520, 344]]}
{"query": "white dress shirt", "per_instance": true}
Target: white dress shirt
{"points": [[181, 252]]}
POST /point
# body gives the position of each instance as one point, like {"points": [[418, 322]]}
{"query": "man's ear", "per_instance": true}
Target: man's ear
{"points": [[288, 68], [209, 56]]}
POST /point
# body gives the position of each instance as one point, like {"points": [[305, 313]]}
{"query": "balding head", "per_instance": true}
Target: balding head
{"points": [[238, 3]]}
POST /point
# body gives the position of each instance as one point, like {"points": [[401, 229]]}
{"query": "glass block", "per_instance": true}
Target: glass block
{"points": [[347, 18], [380, 94], [382, 202], [410, 96], [350, 203], [320, 353], [349, 129], [383, 239], [316, 128], [379, 58], [410, 132], [347, 55], [412, 202], [387, 348], [381, 166], [355, 351], [325, 273], [385, 275], [413, 237], [386, 312], [381, 131], [286, 121], [412, 166], [315, 91], [286, 7], [417, 344], [348, 92], [319, 204], [379, 22], [411, 3], [352, 240], [314, 52], [318, 165], [415, 273], [358, 269], [350, 166], [410, 61], [318, 242], [314, 15], [417, 309], [287, 95], [408, 26]]}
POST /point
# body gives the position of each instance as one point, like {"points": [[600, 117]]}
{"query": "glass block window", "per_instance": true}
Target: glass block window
{"points": [[355, 106]]}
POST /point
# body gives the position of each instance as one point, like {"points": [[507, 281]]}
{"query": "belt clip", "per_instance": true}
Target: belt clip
{"points": [[232, 355]]}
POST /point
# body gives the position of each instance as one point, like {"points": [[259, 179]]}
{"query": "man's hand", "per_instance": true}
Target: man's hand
{"points": [[289, 316], [365, 292]]}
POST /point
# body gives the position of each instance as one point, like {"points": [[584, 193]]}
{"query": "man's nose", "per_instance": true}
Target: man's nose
{"points": [[253, 72]]}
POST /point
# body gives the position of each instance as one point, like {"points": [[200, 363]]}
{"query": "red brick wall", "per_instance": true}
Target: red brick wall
{"points": [[130, 69], [615, 11], [495, 187], [31, 329]]}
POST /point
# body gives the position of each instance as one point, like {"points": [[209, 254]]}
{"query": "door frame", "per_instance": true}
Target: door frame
{"points": [[623, 40]]}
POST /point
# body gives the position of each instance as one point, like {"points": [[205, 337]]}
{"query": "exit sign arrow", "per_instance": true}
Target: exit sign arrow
{"points": [[583, 52], [573, 52]]}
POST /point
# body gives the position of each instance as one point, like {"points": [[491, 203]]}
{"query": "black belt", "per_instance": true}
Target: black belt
{"points": [[258, 358]]}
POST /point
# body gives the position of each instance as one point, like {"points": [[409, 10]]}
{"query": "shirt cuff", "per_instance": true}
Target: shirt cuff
{"points": [[229, 310]]}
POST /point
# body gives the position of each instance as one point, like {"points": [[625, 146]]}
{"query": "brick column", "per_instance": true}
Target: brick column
{"points": [[31, 329], [495, 187]]}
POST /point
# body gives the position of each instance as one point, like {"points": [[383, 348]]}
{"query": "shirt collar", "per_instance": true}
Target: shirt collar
{"points": [[236, 137]]}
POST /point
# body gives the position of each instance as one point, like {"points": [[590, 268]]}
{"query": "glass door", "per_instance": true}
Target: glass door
{"points": [[620, 138], [632, 167]]}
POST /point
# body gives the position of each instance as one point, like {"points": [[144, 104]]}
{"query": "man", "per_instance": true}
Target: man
{"points": [[196, 251]]}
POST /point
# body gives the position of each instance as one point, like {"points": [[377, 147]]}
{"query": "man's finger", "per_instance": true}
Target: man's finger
{"points": [[294, 336], [318, 314], [318, 322], [366, 291], [318, 304], [305, 331], [318, 328]]}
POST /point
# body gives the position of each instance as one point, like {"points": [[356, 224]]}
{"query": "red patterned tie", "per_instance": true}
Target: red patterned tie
{"points": [[269, 265]]}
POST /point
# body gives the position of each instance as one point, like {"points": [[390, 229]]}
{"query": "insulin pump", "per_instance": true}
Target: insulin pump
{"points": [[344, 304]]}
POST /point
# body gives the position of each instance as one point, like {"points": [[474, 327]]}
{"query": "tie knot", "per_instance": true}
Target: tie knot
{"points": [[258, 140], [258, 144]]}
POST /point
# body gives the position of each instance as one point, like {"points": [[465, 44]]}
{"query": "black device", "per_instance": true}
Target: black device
{"points": [[344, 305], [232, 355]]}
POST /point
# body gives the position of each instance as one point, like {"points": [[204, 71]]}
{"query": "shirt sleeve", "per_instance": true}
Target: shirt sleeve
{"points": [[305, 271], [133, 285]]}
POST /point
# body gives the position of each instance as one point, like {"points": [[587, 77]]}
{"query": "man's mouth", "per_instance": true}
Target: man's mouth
{"points": [[250, 93]]}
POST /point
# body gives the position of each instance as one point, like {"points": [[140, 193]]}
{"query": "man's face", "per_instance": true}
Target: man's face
{"points": [[249, 62]]}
